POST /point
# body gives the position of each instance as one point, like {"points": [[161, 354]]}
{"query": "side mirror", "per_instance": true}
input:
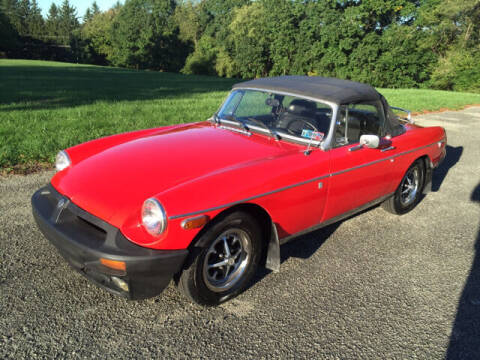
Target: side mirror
{"points": [[370, 141]]}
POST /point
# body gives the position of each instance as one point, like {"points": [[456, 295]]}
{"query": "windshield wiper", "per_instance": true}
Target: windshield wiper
{"points": [[242, 123], [246, 128], [270, 130]]}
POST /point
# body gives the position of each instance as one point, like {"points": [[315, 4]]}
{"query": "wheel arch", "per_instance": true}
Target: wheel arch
{"points": [[271, 249], [427, 181]]}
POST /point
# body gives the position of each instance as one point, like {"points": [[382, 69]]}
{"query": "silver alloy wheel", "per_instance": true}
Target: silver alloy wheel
{"points": [[409, 186], [226, 259]]}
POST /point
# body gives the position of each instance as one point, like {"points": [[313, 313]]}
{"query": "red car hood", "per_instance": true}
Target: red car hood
{"points": [[114, 182]]}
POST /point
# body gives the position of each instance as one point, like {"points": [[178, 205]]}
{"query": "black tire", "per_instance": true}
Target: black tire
{"points": [[400, 203], [206, 283]]}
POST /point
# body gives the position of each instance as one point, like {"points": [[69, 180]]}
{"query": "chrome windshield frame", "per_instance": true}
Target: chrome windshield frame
{"points": [[325, 144]]}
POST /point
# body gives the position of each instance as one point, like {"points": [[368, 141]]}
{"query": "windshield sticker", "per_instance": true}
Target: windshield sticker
{"points": [[313, 135]]}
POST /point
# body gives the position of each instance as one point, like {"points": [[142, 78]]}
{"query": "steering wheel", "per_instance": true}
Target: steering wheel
{"points": [[277, 112], [306, 122]]}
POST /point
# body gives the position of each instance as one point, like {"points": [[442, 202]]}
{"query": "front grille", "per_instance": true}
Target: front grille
{"points": [[88, 223], [97, 232], [73, 221]]}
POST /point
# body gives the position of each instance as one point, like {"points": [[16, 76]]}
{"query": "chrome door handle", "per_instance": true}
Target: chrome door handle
{"points": [[388, 148]]}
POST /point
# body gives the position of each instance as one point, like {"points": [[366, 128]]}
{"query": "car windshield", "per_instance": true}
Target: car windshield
{"points": [[277, 114]]}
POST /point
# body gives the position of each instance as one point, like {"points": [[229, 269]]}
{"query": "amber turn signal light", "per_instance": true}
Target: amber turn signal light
{"points": [[113, 264], [194, 222]]}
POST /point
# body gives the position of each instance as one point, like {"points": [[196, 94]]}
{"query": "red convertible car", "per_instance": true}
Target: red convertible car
{"points": [[206, 203]]}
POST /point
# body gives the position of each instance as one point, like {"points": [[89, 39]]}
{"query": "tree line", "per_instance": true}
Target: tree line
{"points": [[401, 43]]}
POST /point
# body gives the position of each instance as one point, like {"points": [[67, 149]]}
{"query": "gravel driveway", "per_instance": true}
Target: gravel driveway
{"points": [[374, 286]]}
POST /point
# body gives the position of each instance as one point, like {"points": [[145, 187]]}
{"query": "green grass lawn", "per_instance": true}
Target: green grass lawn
{"points": [[48, 106]]}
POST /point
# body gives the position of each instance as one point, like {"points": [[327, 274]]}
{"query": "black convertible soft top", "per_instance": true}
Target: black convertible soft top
{"points": [[322, 88], [338, 91]]}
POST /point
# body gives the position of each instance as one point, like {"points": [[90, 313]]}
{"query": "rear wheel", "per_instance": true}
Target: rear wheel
{"points": [[225, 265], [408, 193]]}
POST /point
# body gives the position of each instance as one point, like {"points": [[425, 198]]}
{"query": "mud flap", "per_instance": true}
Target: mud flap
{"points": [[427, 187], [273, 252]]}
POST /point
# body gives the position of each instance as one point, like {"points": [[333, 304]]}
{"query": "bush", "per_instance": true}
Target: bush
{"points": [[458, 71], [202, 60]]}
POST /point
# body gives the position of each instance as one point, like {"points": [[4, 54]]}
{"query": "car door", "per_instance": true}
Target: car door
{"points": [[358, 174]]}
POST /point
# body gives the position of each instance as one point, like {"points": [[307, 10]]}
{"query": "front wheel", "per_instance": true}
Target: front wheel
{"points": [[225, 265], [408, 193]]}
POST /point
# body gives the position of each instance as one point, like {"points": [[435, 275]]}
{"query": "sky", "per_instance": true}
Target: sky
{"points": [[80, 5]]}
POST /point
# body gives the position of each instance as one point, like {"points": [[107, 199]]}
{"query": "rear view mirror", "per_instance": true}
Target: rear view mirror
{"points": [[272, 102], [370, 141]]}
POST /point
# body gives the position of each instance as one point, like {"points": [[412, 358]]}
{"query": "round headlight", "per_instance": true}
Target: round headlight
{"points": [[62, 161], [153, 217]]}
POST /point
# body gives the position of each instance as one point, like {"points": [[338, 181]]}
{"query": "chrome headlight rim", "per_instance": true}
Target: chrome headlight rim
{"points": [[154, 217], [62, 160]]}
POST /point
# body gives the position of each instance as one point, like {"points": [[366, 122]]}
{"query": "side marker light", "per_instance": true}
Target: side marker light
{"points": [[194, 222]]}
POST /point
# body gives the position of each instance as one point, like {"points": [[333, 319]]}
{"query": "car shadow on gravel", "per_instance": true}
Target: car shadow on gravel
{"points": [[302, 247], [453, 156], [465, 336], [306, 245]]}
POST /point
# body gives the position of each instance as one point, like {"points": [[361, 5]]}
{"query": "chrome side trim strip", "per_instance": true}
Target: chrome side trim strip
{"points": [[298, 184], [249, 198], [380, 160], [336, 218], [359, 166]]}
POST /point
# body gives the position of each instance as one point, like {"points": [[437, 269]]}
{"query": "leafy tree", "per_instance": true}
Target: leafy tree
{"points": [[23, 10], [281, 26], [10, 10], [458, 70], [213, 51], [132, 35], [96, 35], [404, 59], [88, 15], [9, 38], [391, 43], [117, 6], [191, 19], [451, 22], [221, 13], [358, 40], [143, 36], [36, 23], [95, 8], [67, 20], [203, 59], [247, 33], [53, 22], [453, 27], [91, 12]]}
